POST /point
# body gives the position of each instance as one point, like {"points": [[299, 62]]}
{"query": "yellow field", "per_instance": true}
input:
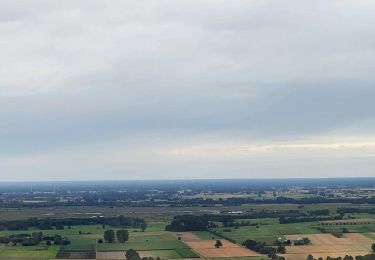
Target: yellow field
{"points": [[206, 248], [323, 245]]}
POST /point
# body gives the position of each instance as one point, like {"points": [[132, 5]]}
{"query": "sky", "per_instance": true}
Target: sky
{"points": [[110, 90]]}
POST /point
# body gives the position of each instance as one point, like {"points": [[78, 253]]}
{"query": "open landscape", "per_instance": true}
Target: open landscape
{"points": [[187, 130], [290, 221]]}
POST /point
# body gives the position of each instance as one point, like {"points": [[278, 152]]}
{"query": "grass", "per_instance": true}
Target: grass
{"points": [[173, 254], [145, 243], [79, 247], [153, 214], [32, 252], [165, 254], [157, 225], [370, 235], [204, 235], [363, 228], [186, 253], [74, 230], [268, 231]]}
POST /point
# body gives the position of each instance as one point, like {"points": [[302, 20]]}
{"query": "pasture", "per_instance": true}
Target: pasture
{"points": [[268, 231], [28, 253]]}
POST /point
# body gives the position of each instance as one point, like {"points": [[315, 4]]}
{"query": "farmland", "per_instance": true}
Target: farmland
{"points": [[187, 224], [323, 245]]}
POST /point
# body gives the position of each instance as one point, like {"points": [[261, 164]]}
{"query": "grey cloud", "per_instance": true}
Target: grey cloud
{"points": [[77, 75]]}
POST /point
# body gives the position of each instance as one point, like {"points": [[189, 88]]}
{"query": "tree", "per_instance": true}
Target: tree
{"points": [[218, 244], [306, 240], [309, 257], [57, 240], [122, 235], [132, 255], [373, 247], [109, 236], [37, 236], [281, 249], [143, 226]]}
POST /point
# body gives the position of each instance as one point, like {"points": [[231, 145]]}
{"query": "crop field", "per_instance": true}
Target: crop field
{"points": [[158, 242], [323, 245], [207, 249], [110, 255], [162, 244]]}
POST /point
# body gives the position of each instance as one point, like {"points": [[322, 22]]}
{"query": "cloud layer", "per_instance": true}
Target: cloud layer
{"points": [[186, 89]]}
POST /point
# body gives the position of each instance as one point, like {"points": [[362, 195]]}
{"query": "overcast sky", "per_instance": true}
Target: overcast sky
{"points": [[186, 89]]}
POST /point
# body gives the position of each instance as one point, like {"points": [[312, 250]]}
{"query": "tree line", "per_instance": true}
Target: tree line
{"points": [[50, 223]]}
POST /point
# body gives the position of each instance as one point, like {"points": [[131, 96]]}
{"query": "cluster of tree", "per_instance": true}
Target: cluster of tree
{"points": [[320, 212], [365, 257], [303, 241], [260, 247], [288, 220], [278, 200], [110, 236], [223, 236], [346, 223], [188, 223], [203, 222], [355, 210], [34, 239], [218, 244], [347, 257], [131, 254], [50, 223]]}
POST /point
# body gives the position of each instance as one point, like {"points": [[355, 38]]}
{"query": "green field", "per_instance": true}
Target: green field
{"points": [[155, 214], [269, 230], [160, 243], [165, 254], [28, 253], [145, 243], [186, 253], [204, 235], [173, 254]]}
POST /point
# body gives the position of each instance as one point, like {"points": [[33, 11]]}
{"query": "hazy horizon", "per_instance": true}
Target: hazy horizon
{"points": [[186, 90]]}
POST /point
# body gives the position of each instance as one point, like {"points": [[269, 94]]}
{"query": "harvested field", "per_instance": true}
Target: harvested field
{"points": [[323, 245], [210, 244], [321, 239], [110, 255], [226, 252], [323, 255], [144, 254], [206, 248], [359, 238], [76, 255], [187, 236]]}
